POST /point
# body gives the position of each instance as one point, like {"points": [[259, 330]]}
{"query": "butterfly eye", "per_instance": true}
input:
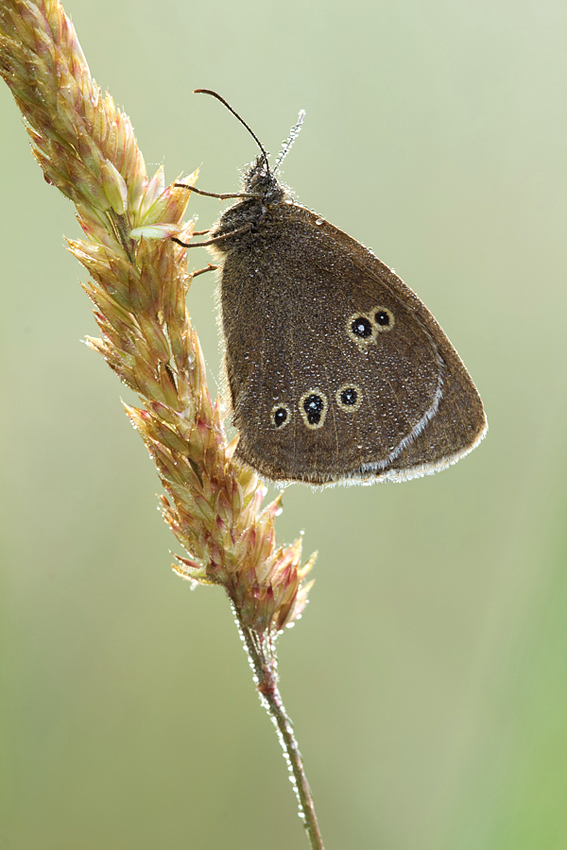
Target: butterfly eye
{"points": [[280, 415], [349, 397], [383, 318], [313, 408]]}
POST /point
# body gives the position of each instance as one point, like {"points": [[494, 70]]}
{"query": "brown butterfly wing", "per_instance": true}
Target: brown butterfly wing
{"points": [[336, 370]]}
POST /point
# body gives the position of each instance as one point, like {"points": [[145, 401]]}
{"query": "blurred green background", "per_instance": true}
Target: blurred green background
{"points": [[428, 677]]}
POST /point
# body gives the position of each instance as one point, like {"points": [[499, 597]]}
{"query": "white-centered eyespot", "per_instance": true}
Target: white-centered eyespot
{"points": [[361, 328], [280, 415], [349, 397], [313, 408], [383, 318]]}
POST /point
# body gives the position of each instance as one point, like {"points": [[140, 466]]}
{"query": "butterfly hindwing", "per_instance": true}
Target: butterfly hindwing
{"points": [[333, 371]]}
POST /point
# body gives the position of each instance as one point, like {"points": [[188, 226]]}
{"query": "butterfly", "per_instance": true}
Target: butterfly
{"points": [[336, 371]]}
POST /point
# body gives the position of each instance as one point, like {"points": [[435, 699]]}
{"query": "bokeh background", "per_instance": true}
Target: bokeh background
{"points": [[428, 677]]}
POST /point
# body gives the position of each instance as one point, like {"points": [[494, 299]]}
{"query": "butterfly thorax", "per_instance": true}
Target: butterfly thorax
{"points": [[246, 216]]}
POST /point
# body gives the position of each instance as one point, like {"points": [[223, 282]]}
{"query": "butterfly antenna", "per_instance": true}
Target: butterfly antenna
{"points": [[294, 133], [242, 121]]}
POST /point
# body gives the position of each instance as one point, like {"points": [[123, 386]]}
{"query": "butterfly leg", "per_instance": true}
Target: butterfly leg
{"points": [[208, 268]]}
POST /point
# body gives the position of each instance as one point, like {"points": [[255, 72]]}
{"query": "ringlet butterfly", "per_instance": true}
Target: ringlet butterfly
{"points": [[337, 372]]}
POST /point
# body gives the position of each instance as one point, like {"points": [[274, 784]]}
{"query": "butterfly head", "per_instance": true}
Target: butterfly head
{"points": [[243, 220], [261, 181]]}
